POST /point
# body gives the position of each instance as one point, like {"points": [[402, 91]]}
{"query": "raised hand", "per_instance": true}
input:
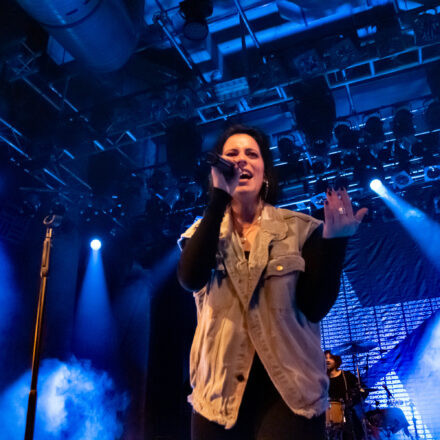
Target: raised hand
{"points": [[339, 218]]}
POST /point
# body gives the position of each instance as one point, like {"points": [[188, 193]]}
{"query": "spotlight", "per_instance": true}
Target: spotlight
{"points": [[402, 179], [374, 136], [342, 53], [367, 168], [315, 113], [375, 185], [374, 130], [402, 154], [321, 162], [348, 139], [432, 173], [287, 149], [403, 128], [432, 115], [427, 147], [348, 158], [427, 29], [309, 64], [95, 244], [195, 13]]}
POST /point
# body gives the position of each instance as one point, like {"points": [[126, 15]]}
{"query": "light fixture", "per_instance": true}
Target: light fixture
{"points": [[95, 244], [376, 184], [286, 148], [232, 89], [401, 180], [348, 139], [367, 168], [403, 129], [374, 135], [341, 53], [432, 115], [315, 114], [195, 13], [427, 29], [309, 64], [432, 173]]}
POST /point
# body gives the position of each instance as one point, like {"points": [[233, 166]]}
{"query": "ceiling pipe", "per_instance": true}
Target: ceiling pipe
{"points": [[246, 23], [98, 33], [248, 27], [159, 21]]}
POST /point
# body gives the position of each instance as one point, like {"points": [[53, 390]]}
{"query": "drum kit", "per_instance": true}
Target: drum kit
{"points": [[358, 421]]}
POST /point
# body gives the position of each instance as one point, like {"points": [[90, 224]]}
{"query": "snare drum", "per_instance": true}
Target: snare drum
{"points": [[335, 413]]}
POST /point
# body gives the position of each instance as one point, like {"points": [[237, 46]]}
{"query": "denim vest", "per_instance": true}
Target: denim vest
{"points": [[248, 306]]}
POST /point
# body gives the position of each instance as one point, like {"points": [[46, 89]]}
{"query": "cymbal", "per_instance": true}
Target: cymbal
{"points": [[355, 347]]}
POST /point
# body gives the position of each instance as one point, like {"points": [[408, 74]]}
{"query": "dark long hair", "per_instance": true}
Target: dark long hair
{"points": [[269, 191]]}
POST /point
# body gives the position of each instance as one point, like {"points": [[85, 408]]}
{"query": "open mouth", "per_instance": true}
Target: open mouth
{"points": [[245, 176]]}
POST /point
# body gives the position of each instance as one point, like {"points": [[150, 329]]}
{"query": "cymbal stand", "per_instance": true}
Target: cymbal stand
{"points": [[414, 420], [358, 376]]}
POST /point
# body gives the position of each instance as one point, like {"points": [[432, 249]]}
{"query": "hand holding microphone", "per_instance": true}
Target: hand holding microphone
{"points": [[224, 173]]}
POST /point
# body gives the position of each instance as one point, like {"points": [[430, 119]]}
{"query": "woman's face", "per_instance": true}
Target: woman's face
{"points": [[245, 152]]}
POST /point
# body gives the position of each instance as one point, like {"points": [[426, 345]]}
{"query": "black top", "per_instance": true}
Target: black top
{"points": [[318, 285], [338, 391]]}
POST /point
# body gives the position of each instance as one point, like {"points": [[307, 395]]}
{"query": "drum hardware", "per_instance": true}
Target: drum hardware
{"points": [[335, 420], [385, 422], [414, 420], [355, 348], [369, 390], [377, 424]]}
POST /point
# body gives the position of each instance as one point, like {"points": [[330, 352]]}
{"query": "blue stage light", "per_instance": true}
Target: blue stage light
{"points": [[375, 185], [424, 230], [95, 244], [75, 401]]}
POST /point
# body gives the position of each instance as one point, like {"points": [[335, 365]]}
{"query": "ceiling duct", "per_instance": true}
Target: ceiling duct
{"points": [[98, 33], [294, 9]]}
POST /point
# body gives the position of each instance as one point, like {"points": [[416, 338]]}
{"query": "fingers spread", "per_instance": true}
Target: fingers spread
{"points": [[334, 203], [359, 216], [328, 213], [346, 202]]}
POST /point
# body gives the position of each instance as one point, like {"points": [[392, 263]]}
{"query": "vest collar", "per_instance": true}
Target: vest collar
{"points": [[272, 223]]}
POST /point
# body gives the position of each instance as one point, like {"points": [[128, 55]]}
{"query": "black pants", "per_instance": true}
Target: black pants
{"points": [[263, 415]]}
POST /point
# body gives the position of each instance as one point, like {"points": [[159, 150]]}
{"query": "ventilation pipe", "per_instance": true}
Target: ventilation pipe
{"points": [[98, 33]]}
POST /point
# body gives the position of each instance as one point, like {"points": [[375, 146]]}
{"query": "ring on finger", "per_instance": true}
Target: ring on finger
{"points": [[341, 210]]}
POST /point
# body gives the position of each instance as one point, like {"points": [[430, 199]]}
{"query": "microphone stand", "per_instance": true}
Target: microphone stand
{"points": [[50, 222]]}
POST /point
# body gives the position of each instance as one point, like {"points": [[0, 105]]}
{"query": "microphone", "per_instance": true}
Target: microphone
{"points": [[224, 166]]}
